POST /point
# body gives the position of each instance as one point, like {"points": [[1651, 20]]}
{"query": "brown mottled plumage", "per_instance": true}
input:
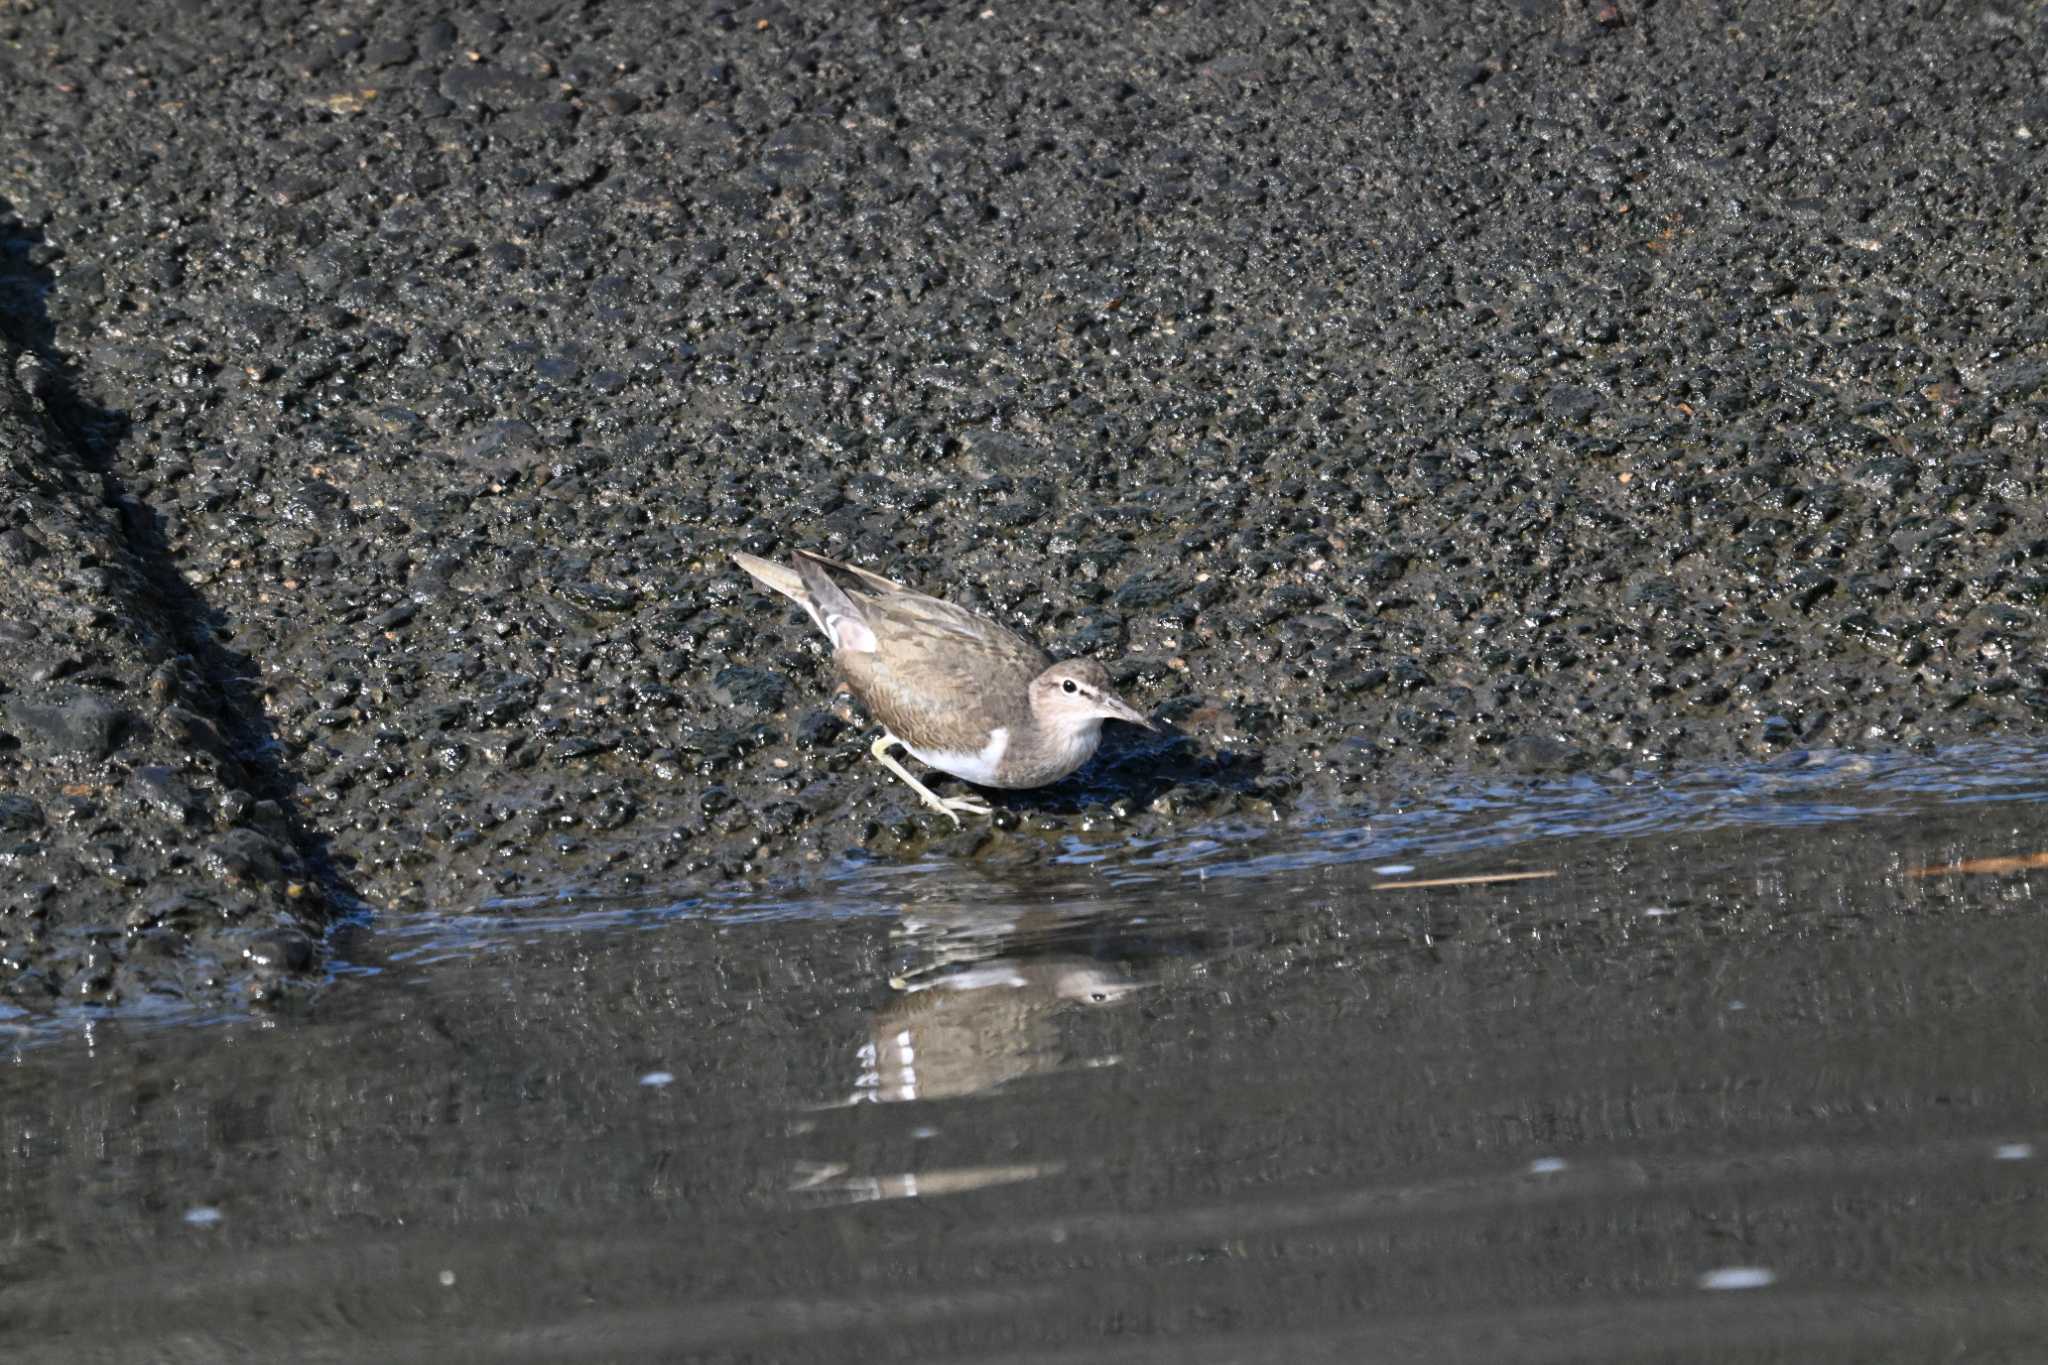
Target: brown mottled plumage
{"points": [[959, 691]]}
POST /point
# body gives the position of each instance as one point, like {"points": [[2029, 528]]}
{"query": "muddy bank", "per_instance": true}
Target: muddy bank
{"points": [[148, 842], [1536, 389]]}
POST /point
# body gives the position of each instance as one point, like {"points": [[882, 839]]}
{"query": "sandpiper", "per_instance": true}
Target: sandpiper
{"points": [[954, 689]]}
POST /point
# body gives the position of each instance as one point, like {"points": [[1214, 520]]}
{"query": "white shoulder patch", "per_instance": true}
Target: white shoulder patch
{"points": [[849, 633]]}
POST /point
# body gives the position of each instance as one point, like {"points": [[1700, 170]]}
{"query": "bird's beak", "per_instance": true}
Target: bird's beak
{"points": [[1116, 708]]}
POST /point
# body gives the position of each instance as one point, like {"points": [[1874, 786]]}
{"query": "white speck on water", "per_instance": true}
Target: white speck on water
{"points": [[1739, 1277], [924, 1133], [1547, 1165], [1394, 869], [1737, 1005], [2013, 1151], [202, 1216], [1658, 911], [447, 1278], [658, 1078]]}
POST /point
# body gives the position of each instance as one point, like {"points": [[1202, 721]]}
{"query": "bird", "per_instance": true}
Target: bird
{"points": [[953, 689]]}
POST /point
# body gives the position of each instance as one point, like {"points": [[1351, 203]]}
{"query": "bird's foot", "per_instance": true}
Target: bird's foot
{"points": [[954, 806], [957, 806]]}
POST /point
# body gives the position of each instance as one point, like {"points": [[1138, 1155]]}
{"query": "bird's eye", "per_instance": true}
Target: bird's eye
{"points": [[1070, 686]]}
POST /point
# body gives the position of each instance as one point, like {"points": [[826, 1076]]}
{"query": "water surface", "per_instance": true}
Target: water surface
{"points": [[1729, 1075]]}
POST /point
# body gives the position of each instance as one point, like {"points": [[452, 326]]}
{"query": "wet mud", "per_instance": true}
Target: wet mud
{"points": [[1384, 394]]}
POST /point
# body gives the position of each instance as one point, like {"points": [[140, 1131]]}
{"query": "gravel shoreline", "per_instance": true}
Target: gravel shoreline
{"points": [[1537, 389]]}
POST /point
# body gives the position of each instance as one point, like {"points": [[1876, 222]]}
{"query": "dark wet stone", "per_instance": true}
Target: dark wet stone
{"points": [[509, 698], [755, 689], [18, 550], [2018, 378], [580, 747], [1098, 633], [87, 726], [1569, 403], [19, 813], [989, 452], [472, 83], [818, 730], [613, 810], [1544, 754], [1889, 477], [245, 855], [396, 421], [179, 909], [389, 54], [317, 503], [714, 747], [282, 950], [1146, 591], [1810, 586], [600, 596], [1384, 567], [158, 787]]}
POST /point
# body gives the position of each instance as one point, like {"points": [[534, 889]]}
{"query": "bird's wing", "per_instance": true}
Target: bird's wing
{"points": [[941, 674], [869, 579], [912, 614], [844, 620]]}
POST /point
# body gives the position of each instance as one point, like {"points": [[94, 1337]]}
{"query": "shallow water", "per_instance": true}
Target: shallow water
{"points": [[1722, 1080]]}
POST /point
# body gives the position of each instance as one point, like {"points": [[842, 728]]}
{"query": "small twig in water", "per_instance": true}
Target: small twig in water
{"points": [[1479, 880], [1981, 867]]}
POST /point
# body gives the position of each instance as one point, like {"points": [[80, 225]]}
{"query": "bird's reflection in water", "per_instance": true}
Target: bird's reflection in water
{"points": [[965, 1029], [977, 995]]}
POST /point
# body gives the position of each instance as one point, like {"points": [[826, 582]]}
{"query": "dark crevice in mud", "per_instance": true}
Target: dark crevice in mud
{"points": [[133, 741]]}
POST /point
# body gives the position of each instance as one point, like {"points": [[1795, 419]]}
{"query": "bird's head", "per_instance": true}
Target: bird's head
{"points": [[1074, 694]]}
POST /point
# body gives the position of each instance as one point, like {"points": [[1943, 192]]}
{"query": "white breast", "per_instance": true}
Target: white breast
{"points": [[978, 766]]}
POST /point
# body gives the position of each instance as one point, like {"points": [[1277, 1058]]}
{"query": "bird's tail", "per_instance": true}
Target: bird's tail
{"points": [[811, 587], [780, 577]]}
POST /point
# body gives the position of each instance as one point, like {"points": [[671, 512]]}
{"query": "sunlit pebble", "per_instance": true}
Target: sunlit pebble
{"points": [[202, 1216], [1394, 869], [1738, 1277], [1547, 1165], [447, 1278], [658, 1078], [2013, 1151]]}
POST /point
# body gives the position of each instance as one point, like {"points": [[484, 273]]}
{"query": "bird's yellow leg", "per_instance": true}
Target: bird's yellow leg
{"points": [[954, 806]]}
